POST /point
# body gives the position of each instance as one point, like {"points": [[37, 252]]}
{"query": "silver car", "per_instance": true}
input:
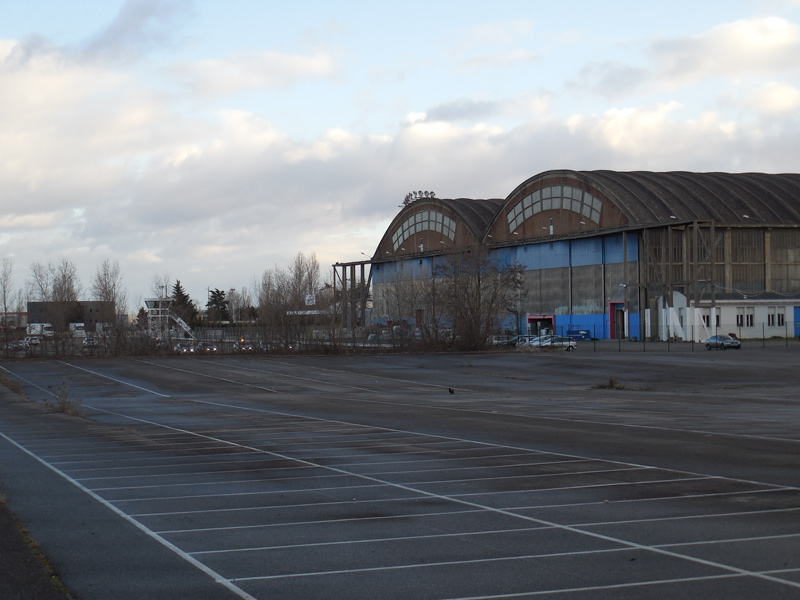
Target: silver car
{"points": [[723, 342], [557, 342]]}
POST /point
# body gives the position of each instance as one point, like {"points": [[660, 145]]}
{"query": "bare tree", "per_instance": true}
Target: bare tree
{"points": [[398, 300], [477, 291], [303, 278], [108, 287], [55, 283], [66, 285], [240, 302], [59, 285], [40, 286], [282, 296], [273, 305], [433, 318], [160, 285], [6, 292]]}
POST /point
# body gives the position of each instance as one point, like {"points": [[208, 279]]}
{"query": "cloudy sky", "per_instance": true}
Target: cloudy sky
{"points": [[209, 140]]}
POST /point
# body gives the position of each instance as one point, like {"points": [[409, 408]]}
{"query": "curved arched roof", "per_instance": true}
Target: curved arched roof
{"points": [[650, 198], [460, 221], [475, 214], [591, 201]]}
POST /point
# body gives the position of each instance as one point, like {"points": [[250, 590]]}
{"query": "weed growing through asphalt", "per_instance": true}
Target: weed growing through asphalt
{"points": [[63, 403], [12, 384], [614, 384]]}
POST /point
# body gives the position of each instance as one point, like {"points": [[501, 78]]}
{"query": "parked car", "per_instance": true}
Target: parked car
{"points": [[557, 342], [90, 343], [524, 342], [17, 346], [499, 340], [723, 342], [207, 347], [33, 340]]}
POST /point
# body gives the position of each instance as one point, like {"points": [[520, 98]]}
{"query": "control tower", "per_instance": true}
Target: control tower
{"points": [[160, 321]]}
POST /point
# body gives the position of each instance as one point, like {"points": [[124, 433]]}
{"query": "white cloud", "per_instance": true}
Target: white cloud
{"points": [[774, 98], [735, 51], [102, 162], [465, 109], [497, 45], [140, 26], [742, 47], [498, 32], [16, 222], [502, 59], [215, 77]]}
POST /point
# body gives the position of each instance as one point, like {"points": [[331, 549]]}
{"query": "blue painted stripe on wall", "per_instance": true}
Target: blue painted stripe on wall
{"points": [[547, 255], [613, 248], [587, 252]]}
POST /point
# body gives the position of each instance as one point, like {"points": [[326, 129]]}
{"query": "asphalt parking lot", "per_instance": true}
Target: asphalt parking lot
{"points": [[500, 475]]}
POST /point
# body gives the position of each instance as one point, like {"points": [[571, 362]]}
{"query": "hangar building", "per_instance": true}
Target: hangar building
{"points": [[637, 255]]}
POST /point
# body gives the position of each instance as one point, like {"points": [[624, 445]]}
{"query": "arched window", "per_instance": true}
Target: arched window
{"points": [[424, 220], [556, 197]]}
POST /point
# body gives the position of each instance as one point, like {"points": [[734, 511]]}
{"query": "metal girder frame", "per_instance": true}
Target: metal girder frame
{"points": [[353, 291], [690, 263]]}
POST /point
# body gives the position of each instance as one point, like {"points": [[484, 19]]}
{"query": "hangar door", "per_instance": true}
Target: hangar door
{"points": [[617, 320], [541, 325]]}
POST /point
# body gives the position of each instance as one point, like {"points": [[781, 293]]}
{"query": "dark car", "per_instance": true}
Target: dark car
{"points": [[723, 342], [207, 347]]}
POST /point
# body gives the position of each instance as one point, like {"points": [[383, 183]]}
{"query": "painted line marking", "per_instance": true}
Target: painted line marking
{"points": [[487, 509], [114, 379], [227, 583]]}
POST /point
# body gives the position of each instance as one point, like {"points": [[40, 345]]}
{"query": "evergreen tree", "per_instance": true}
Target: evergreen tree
{"points": [[218, 306], [141, 318], [182, 304]]}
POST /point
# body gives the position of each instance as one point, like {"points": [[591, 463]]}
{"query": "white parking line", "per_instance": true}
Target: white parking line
{"points": [[597, 588], [457, 535], [739, 513], [340, 373], [114, 379], [479, 507], [227, 583], [197, 374], [457, 499]]}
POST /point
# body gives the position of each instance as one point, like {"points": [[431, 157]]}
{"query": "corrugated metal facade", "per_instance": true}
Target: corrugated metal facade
{"points": [[668, 253]]}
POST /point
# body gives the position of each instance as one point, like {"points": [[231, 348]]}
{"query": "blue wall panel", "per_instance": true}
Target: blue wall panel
{"points": [[505, 256], [596, 324], [587, 252], [417, 268], [613, 248], [554, 255], [540, 256], [635, 325], [578, 253]]}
